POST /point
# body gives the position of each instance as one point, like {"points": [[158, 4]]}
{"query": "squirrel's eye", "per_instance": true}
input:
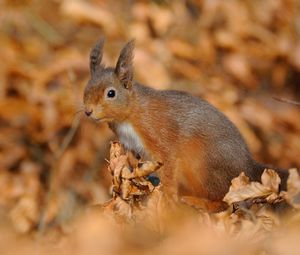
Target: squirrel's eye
{"points": [[111, 93]]}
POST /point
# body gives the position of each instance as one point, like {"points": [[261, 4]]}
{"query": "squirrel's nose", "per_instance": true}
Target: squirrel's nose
{"points": [[88, 112]]}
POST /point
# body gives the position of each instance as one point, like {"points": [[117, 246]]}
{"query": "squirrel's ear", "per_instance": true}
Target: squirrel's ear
{"points": [[96, 57], [124, 67]]}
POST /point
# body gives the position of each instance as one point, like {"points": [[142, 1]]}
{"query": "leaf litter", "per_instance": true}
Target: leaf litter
{"points": [[146, 217], [236, 54]]}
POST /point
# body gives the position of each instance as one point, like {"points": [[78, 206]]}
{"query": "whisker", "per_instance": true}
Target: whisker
{"points": [[72, 104]]}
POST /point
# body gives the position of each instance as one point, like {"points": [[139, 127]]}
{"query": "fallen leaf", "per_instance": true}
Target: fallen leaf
{"points": [[242, 189]]}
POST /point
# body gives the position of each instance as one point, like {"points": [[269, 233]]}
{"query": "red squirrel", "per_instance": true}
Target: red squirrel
{"points": [[200, 148]]}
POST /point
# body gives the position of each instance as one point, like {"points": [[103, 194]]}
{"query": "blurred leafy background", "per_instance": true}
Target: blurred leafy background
{"points": [[237, 54]]}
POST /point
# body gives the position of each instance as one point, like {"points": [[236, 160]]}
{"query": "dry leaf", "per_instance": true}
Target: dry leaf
{"points": [[242, 189], [84, 11], [271, 180], [25, 214], [293, 188]]}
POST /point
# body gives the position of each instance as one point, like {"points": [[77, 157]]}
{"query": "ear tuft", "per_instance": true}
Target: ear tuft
{"points": [[124, 67], [96, 57]]}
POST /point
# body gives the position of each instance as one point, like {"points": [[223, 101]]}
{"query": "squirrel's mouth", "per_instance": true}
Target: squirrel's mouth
{"points": [[97, 119], [103, 119]]}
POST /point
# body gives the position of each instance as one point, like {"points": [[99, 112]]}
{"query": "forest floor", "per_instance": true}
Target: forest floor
{"points": [[56, 195]]}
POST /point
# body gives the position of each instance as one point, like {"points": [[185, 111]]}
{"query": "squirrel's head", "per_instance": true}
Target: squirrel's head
{"points": [[107, 94]]}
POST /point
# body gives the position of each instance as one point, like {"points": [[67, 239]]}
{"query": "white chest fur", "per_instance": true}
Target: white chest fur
{"points": [[129, 138]]}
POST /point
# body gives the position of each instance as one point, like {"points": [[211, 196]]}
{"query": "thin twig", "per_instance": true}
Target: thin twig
{"points": [[288, 101], [79, 111], [66, 142], [68, 138]]}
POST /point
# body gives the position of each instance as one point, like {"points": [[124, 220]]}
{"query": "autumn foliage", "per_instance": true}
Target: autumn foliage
{"points": [[61, 191]]}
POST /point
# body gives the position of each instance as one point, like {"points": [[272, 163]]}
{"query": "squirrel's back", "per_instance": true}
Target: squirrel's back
{"points": [[193, 121]]}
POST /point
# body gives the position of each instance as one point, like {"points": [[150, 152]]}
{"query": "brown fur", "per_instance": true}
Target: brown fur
{"points": [[201, 149]]}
